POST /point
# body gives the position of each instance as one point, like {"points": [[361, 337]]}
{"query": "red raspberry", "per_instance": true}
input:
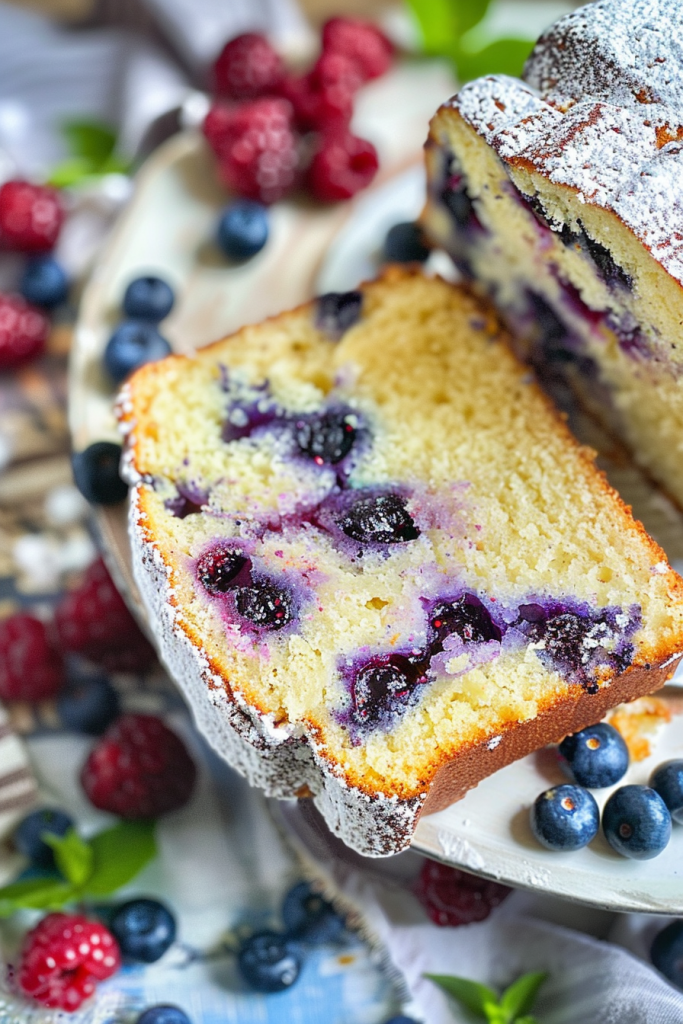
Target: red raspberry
{"points": [[64, 957], [248, 67], [256, 147], [30, 216], [452, 897], [361, 42], [342, 166], [324, 97], [29, 668], [94, 621], [23, 331], [139, 769]]}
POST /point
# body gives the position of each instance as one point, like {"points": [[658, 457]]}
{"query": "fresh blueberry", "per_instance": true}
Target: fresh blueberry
{"points": [[28, 835], [405, 244], [309, 916], [144, 929], [269, 962], [163, 1015], [337, 311], [218, 569], [264, 604], [382, 519], [96, 473], [148, 298], [667, 780], [88, 705], [242, 229], [133, 343], [44, 282], [401, 1019], [636, 822], [327, 437], [666, 953], [595, 757], [565, 818]]}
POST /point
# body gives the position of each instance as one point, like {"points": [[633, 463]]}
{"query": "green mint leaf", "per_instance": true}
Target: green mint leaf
{"points": [[119, 854], [73, 856], [70, 172], [48, 893], [469, 13], [474, 996], [501, 57], [519, 997], [438, 24], [89, 140]]}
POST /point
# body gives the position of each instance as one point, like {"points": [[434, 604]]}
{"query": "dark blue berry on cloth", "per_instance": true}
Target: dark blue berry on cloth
{"points": [[309, 916], [667, 780], [96, 473], [133, 343], [565, 818], [381, 519], [88, 705], [636, 822], [269, 962], [336, 312], [148, 298], [44, 282], [144, 929], [163, 1015], [595, 757], [405, 244], [242, 229], [28, 836], [666, 953]]}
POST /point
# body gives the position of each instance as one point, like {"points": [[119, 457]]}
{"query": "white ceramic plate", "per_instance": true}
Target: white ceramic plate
{"points": [[167, 229]]}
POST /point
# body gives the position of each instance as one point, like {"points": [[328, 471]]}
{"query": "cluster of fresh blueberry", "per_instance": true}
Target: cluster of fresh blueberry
{"points": [[636, 820], [136, 341]]}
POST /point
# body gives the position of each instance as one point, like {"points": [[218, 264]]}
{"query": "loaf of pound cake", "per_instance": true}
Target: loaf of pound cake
{"points": [[376, 561], [561, 196]]}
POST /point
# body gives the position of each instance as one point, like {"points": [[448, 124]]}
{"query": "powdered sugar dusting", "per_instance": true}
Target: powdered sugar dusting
{"points": [[602, 113], [628, 52]]}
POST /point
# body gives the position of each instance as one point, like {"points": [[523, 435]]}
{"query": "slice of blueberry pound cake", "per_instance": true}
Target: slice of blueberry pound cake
{"points": [[376, 561], [562, 196]]}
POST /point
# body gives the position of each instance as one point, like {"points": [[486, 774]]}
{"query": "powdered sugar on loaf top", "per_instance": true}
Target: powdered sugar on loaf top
{"points": [[620, 146], [626, 52]]}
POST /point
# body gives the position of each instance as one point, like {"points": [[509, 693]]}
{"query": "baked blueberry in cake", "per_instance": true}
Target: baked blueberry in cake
{"points": [[375, 559], [562, 197]]}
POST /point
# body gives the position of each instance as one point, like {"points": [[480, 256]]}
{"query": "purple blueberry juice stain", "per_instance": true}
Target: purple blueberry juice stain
{"points": [[467, 617], [336, 312], [381, 688], [571, 637], [250, 596], [189, 500]]}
